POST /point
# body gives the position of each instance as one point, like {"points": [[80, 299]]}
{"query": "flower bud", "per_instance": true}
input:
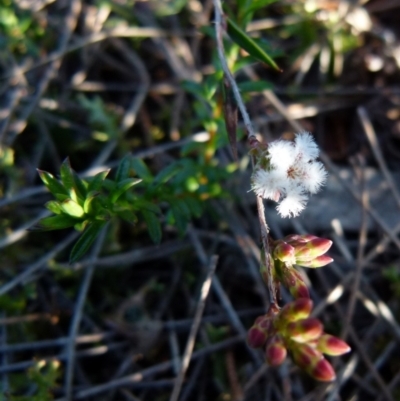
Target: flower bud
{"points": [[294, 282], [312, 249], [320, 261], [304, 330], [297, 239], [284, 252], [296, 310], [323, 371], [256, 337], [259, 332], [275, 351], [332, 345]]}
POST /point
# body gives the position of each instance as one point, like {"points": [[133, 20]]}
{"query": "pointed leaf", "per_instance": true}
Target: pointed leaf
{"points": [[86, 240], [67, 176], [53, 185], [80, 186], [54, 207], [72, 208], [122, 187], [96, 181], [123, 169], [55, 223], [153, 225], [247, 43], [167, 173], [141, 169], [128, 216]]}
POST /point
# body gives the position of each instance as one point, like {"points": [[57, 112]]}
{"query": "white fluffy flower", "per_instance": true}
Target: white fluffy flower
{"points": [[291, 173]]}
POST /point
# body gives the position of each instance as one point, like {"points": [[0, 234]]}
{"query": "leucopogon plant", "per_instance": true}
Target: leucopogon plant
{"points": [[285, 172]]}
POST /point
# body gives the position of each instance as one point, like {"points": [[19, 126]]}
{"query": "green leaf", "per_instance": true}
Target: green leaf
{"points": [[167, 173], [180, 216], [54, 207], [80, 186], [122, 187], [127, 215], [72, 208], [195, 206], [67, 177], [140, 204], [123, 169], [254, 86], [54, 186], [96, 181], [247, 43], [55, 223], [141, 169], [153, 225], [86, 240]]}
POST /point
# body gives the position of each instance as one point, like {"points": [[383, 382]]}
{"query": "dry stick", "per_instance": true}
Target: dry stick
{"points": [[221, 54], [70, 23], [360, 254], [28, 272], [193, 331], [74, 328], [162, 367], [373, 141]]}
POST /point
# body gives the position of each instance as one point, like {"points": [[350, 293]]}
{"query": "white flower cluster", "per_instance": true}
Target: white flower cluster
{"points": [[291, 173]]}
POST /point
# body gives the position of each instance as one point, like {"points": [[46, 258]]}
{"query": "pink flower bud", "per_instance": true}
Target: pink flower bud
{"points": [[304, 330], [294, 282], [320, 261], [297, 239], [275, 351], [332, 345], [304, 355], [256, 337], [296, 310], [312, 249], [323, 371], [284, 252]]}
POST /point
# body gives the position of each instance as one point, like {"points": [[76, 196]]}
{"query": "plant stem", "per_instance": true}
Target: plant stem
{"points": [[251, 136], [265, 248]]}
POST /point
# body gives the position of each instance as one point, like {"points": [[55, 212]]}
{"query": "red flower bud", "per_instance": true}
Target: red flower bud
{"points": [[312, 249], [317, 262], [256, 337], [304, 330], [294, 282], [296, 310], [275, 351], [332, 345], [284, 252], [323, 371]]}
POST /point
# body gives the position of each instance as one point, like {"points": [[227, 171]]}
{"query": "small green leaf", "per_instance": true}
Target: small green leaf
{"points": [[254, 86], [141, 169], [123, 169], [55, 223], [80, 186], [87, 206], [153, 225], [247, 43], [54, 207], [122, 187], [195, 206], [54, 186], [72, 208], [67, 177], [167, 173], [127, 215], [86, 240], [96, 182], [140, 204], [180, 216]]}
